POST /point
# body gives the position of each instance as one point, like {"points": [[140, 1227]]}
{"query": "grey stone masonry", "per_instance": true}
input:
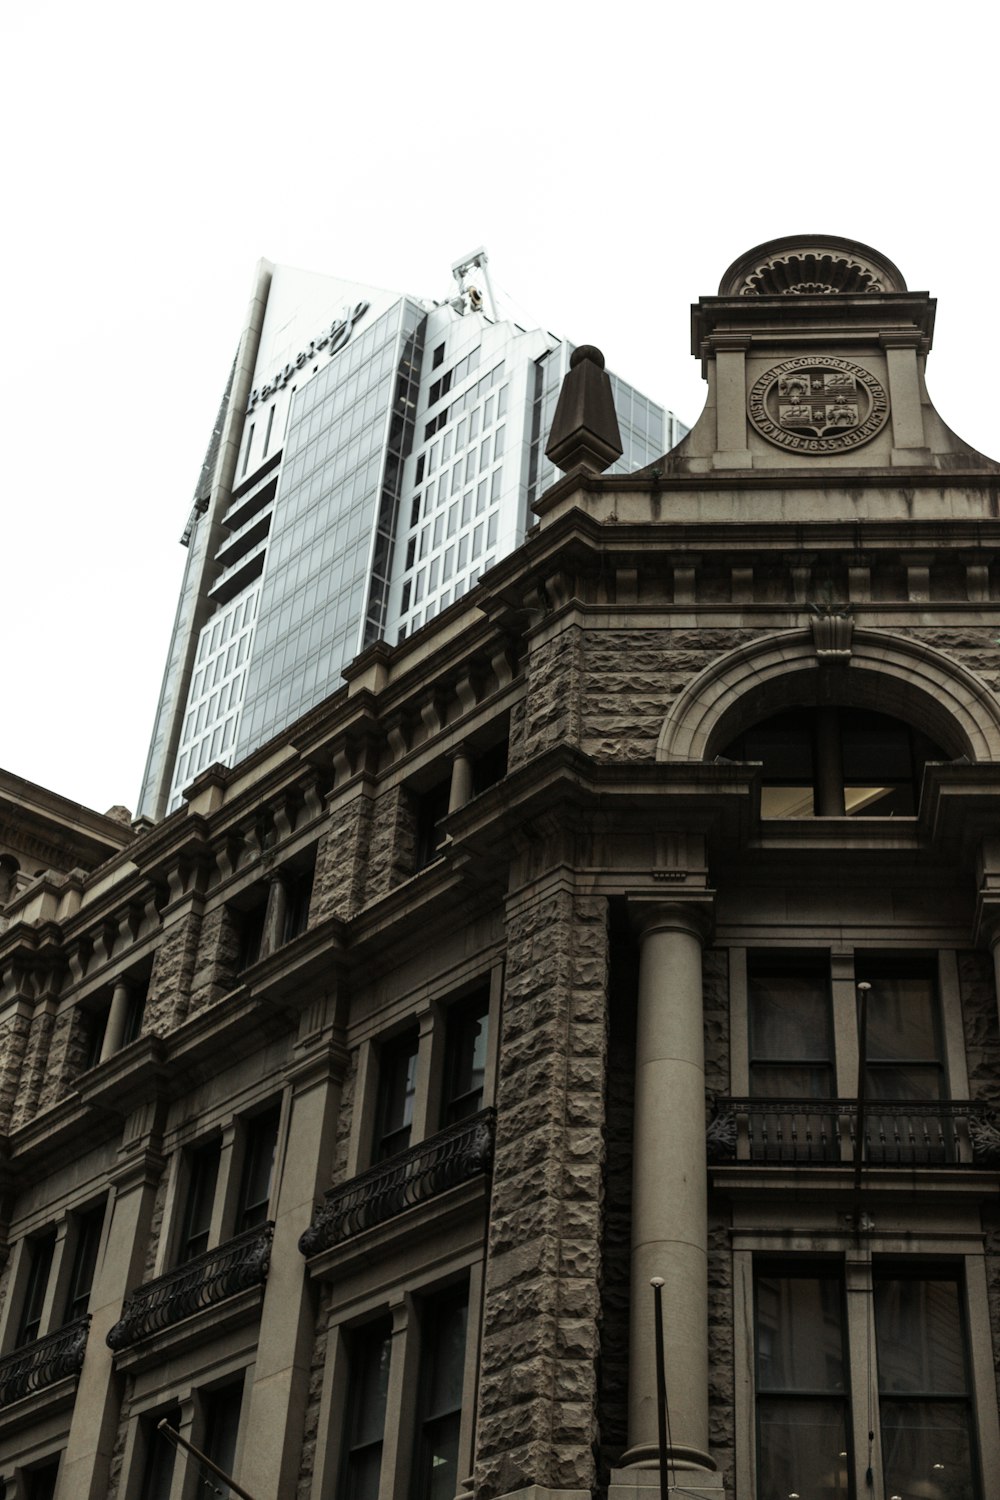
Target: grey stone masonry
{"points": [[182, 951], [552, 704], [630, 678], [537, 1419], [339, 886]]}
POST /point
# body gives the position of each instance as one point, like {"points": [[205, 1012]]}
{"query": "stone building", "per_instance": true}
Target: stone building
{"points": [[635, 919]]}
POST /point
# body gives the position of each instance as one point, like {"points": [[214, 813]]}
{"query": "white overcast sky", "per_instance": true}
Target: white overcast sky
{"points": [[613, 159]]}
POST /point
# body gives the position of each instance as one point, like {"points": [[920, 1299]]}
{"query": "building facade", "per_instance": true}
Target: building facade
{"points": [[374, 454], [634, 920]]}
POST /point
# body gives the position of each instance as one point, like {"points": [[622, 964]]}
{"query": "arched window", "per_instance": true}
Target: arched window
{"points": [[835, 761]]}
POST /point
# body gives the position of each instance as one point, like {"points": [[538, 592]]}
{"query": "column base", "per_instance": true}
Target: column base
{"points": [[688, 1475]]}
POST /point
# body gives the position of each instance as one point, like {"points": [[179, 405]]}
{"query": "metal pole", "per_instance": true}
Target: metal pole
{"points": [[175, 1437], [859, 1140], [661, 1385]]}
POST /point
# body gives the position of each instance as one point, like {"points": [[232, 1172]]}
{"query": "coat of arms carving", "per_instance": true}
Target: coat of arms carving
{"points": [[811, 405]]}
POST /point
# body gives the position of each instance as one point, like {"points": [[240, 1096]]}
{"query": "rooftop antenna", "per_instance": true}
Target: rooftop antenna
{"points": [[476, 293]]}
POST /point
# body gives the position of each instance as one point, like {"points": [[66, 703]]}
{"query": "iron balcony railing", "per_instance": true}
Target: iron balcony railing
{"points": [[824, 1132], [43, 1362], [452, 1156], [207, 1279]]}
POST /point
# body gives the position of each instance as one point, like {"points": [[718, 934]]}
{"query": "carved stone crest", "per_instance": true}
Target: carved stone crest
{"points": [[810, 405]]}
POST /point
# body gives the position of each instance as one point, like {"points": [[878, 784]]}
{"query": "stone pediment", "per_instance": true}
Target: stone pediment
{"points": [[814, 352]]}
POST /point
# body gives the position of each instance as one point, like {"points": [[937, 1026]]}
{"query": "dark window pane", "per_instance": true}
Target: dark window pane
{"points": [[397, 1082], [88, 1239], [802, 1420], [160, 1453], [40, 1483], [441, 1378], [258, 1169], [799, 1334], [803, 1449], [918, 1326], [927, 1450], [902, 1017], [789, 1015], [40, 1253], [204, 1164], [298, 887], [369, 1384], [222, 1426], [465, 1064]]}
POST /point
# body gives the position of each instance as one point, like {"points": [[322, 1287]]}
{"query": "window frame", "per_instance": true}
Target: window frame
{"points": [[942, 1252]]}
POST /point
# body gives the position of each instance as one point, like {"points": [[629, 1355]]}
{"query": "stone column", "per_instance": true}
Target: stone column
{"points": [[114, 1032], [829, 771], [279, 1394], [87, 1456], [669, 1203], [276, 914], [461, 779]]}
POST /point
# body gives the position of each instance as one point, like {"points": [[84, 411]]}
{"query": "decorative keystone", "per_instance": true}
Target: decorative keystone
{"points": [[585, 431], [832, 629]]}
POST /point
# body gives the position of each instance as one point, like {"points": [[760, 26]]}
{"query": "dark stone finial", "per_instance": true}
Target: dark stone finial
{"points": [[585, 426]]}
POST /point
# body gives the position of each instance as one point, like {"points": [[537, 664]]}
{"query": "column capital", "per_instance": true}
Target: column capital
{"points": [[693, 914]]}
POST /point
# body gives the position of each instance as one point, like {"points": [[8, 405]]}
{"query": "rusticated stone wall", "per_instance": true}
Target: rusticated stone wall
{"points": [[538, 1392], [345, 1115], [310, 1429], [551, 710], [721, 1373], [155, 1228], [991, 1225], [67, 1054], [616, 1244], [721, 1370], [339, 884], [630, 678], [174, 967], [974, 646], [392, 849], [121, 1436], [13, 1043], [979, 1018], [36, 1059]]}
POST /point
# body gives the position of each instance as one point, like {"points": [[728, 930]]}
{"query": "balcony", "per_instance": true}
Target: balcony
{"points": [[44, 1362], [824, 1132], [453, 1156], [237, 1266]]}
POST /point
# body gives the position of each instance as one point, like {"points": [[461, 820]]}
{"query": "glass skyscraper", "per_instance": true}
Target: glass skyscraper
{"points": [[374, 454]]}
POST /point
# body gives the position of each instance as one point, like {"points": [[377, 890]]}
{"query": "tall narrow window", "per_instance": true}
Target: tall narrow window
{"points": [[138, 992], [791, 1057], [267, 434], [39, 1266], [365, 1427], [905, 1056], [40, 1483], [441, 1376], [397, 1084], [465, 1058], [158, 1471], [790, 1040], [246, 451], [204, 1172], [298, 888], [802, 1409], [928, 1436], [258, 1170], [88, 1239], [222, 1427]]}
